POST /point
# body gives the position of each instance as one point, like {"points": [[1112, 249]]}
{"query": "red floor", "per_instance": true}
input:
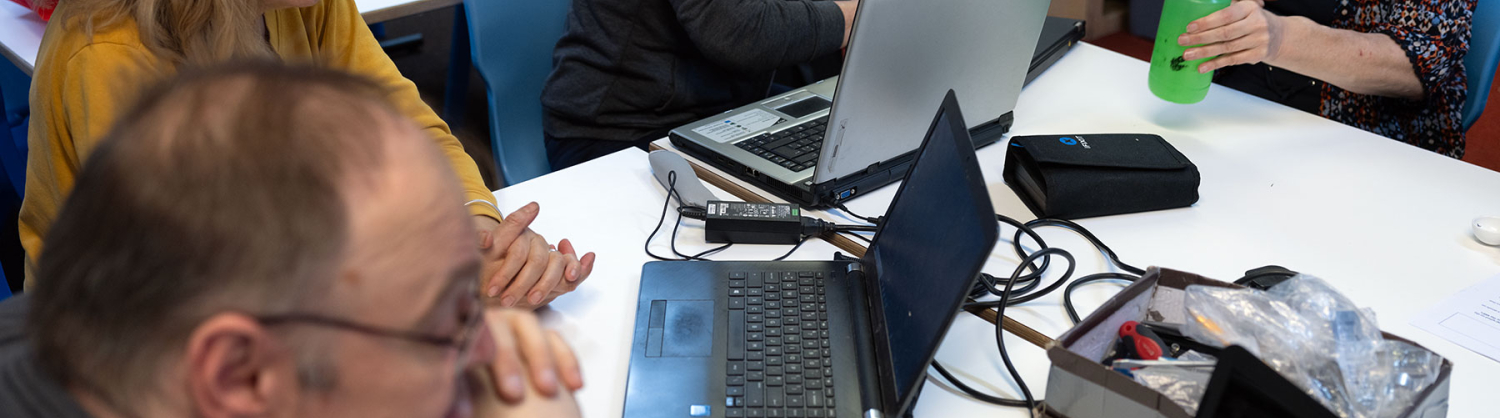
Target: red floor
{"points": [[1483, 139]]}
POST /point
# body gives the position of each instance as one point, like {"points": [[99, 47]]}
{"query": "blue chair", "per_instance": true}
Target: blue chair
{"points": [[15, 88], [1483, 59], [512, 43], [14, 116]]}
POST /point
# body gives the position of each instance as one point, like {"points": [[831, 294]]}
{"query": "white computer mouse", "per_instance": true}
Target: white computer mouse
{"points": [[1487, 230]]}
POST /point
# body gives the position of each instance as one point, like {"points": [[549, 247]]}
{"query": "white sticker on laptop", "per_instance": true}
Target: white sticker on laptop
{"points": [[738, 125]]}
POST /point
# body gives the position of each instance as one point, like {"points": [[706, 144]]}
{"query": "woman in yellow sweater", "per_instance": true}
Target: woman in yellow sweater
{"points": [[97, 55]]}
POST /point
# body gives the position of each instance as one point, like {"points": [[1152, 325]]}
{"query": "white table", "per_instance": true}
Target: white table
{"points": [[20, 35], [1383, 221], [21, 29]]}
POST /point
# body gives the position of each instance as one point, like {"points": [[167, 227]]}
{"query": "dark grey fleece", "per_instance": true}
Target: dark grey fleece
{"points": [[628, 67], [26, 392]]}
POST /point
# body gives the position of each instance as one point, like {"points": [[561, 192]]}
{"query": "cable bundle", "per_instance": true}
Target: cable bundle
{"points": [[1028, 275]]}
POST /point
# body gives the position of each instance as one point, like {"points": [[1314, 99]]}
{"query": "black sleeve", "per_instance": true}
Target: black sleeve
{"points": [[757, 36], [13, 320]]}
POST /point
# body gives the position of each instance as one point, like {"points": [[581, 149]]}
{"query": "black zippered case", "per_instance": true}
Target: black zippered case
{"points": [[1083, 176]]}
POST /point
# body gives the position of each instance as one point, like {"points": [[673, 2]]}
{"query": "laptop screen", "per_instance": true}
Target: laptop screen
{"points": [[938, 233]]}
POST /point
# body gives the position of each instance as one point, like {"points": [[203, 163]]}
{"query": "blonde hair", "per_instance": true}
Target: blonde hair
{"points": [[177, 31]]}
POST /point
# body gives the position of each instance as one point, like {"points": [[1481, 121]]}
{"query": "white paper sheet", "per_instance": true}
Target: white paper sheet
{"points": [[1470, 318], [738, 125]]}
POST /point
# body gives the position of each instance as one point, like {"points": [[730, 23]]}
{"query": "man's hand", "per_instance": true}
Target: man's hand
{"points": [[486, 405], [1243, 33], [524, 352], [525, 271]]}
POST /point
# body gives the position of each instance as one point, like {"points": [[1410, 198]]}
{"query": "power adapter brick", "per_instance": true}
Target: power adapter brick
{"points": [[753, 223]]}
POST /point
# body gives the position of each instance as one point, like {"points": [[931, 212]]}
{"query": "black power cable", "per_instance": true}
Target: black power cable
{"points": [[1016, 245], [866, 239], [1028, 274], [699, 257], [700, 213], [682, 210], [1029, 282], [975, 393], [793, 250], [1011, 295], [1080, 230], [874, 220], [671, 191], [1092, 278], [1031, 402]]}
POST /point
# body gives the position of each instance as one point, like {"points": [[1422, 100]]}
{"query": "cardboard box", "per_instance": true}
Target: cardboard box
{"points": [[1078, 386], [1102, 17]]}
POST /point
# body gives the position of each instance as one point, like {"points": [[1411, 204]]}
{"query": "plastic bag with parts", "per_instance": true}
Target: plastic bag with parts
{"points": [[1319, 340]]}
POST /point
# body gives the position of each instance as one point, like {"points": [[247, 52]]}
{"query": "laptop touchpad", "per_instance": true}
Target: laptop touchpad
{"points": [[805, 107], [688, 329]]}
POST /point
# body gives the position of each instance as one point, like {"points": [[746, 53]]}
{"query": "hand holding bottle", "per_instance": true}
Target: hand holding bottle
{"points": [[1243, 33]]}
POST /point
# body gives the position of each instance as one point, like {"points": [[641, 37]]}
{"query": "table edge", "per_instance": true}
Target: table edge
{"points": [[406, 9], [25, 66]]}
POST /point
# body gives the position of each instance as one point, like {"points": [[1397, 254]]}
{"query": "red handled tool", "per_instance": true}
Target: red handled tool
{"points": [[1139, 343]]}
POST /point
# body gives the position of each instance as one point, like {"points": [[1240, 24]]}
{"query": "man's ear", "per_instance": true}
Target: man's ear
{"points": [[236, 368]]}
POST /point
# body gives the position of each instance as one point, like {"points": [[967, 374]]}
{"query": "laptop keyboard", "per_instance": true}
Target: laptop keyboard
{"points": [[778, 346], [795, 148]]}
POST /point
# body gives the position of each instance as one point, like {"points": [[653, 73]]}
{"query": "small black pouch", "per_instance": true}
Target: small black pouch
{"points": [[1082, 176]]}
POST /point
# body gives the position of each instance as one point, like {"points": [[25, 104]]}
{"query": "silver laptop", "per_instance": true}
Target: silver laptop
{"points": [[814, 148]]}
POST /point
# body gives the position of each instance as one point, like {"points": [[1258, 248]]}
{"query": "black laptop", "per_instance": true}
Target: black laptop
{"points": [[1058, 36], [850, 338]]}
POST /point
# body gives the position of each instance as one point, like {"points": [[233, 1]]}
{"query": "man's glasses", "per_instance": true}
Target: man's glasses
{"points": [[471, 313]]}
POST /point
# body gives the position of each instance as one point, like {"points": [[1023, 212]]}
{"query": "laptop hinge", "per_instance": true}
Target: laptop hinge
{"points": [[866, 274], [876, 381]]}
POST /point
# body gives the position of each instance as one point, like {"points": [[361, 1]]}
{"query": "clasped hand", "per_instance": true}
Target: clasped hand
{"points": [[520, 269]]}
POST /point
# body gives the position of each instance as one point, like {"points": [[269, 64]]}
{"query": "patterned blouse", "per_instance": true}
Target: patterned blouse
{"points": [[1435, 35]]}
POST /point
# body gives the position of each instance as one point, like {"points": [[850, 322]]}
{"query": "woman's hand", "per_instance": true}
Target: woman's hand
{"points": [[1243, 33], [1361, 63], [526, 271]]}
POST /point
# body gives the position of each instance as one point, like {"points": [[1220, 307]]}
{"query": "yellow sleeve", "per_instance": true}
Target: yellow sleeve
{"points": [[75, 103], [94, 93], [347, 43]]}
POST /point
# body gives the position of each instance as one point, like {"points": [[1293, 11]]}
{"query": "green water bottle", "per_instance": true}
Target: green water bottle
{"points": [[1172, 78]]}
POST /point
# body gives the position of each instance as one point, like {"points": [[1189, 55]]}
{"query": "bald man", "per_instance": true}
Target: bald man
{"points": [[266, 241]]}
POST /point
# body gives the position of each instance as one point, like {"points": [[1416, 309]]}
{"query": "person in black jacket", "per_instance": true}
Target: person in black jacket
{"points": [[628, 71]]}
